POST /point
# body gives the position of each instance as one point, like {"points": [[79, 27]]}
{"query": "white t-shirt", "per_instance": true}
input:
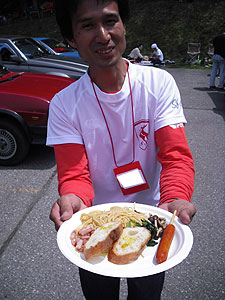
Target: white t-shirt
{"points": [[75, 117], [135, 53], [158, 53]]}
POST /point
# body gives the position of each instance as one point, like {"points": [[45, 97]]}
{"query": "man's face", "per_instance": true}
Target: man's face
{"points": [[99, 33]]}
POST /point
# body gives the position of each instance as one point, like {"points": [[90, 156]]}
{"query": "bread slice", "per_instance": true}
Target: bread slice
{"points": [[102, 239], [129, 246]]}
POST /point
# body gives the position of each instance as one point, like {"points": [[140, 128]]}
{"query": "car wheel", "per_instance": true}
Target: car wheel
{"points": [[14, 145]]}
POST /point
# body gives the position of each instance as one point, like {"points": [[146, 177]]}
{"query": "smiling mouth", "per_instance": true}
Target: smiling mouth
{"points": [[105, 51]]}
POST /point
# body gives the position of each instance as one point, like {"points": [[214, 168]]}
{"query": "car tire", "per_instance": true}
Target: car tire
{"points": [[14, 145]]}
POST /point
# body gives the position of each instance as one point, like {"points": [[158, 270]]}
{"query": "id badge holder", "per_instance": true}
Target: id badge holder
{"points": [[131, 178]]}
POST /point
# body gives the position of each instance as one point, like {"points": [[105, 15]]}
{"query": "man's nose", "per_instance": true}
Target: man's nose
{"points": [[102, 34]]}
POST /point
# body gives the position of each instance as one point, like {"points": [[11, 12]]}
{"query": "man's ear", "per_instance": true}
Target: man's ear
{"points": [[72, 43]]}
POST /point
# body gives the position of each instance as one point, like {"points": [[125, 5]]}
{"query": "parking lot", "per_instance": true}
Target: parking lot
{"points": [[32, 267]]}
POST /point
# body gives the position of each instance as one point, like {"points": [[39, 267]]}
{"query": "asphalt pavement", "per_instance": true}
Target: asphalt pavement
{"points": [[33, 268]]}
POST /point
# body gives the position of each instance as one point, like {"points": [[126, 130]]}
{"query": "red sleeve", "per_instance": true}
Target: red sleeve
{"points": [[177, 174], [73, 173]]}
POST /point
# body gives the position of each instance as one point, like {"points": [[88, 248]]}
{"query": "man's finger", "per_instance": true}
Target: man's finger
{"points": [[66, 209], [55, 215], [185, 216]]}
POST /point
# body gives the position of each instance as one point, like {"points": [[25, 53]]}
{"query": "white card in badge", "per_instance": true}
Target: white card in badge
{"points": [[131, 178]]}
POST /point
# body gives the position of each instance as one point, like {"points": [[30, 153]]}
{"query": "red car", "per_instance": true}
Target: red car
{"points": [[24, 103]]}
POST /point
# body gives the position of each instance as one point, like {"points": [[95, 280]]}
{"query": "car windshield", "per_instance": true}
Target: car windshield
{"points": [[57, 45], [3, 70], [30, 48]]}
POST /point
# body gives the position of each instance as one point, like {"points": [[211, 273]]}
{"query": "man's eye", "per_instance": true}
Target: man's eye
{"points": [[111, 22], [87, 26]]}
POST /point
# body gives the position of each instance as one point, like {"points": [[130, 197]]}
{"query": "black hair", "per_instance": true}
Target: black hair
{"points": [[64, 10]]}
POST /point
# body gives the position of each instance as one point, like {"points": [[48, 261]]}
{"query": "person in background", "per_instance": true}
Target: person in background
{"points": [[117, 115], [135, 54], [218, 62], [157, 55]]}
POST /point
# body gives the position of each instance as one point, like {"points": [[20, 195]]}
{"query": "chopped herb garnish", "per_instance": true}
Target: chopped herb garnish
{"points": [[150, 226]]}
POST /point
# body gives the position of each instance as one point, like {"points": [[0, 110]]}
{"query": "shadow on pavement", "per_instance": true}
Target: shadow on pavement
{"points": [[40, 157], [218, 99]]}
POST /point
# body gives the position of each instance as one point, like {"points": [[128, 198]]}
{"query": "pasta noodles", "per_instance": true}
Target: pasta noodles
{"points": [[121, 214]]}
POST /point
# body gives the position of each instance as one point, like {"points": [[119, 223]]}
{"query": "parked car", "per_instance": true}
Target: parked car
{"points": [[56, 47], [24, 104], [24, 54]]}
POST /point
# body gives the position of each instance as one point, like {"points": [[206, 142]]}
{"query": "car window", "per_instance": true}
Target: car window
{"points": [[5, 52], [29, 48], [55, 44]]}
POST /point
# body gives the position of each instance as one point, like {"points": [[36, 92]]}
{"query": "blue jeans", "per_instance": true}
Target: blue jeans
{"points": [[218, 64]]}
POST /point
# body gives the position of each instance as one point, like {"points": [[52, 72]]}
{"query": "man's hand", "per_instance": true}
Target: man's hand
{"points": [[185, 210], [64, 208]]}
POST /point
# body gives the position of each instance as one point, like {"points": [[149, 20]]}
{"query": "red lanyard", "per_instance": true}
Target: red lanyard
{"points": [[132, 107]]}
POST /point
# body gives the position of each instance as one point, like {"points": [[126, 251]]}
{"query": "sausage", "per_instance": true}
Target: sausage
{"points": [[73, 235], [79, 245], [164, 245], [85, 231]]}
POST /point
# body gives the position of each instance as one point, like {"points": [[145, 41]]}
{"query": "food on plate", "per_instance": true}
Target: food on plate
{"points": [[164, 245], [165, 242], [102, 239], [129, 246], [115, 214], [155, 225], [80, 237], [99, 230]]}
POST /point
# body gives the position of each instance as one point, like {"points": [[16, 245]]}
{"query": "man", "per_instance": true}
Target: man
{"points": [[157, 55], [116, 116], [135, 54], [218, 62]]}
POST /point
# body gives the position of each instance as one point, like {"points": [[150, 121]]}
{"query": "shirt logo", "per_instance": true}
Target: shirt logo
{"points": [[175, 103], [142, 133]]}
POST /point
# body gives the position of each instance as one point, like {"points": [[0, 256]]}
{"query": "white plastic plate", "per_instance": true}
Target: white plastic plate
{"points": [[146, 263]]}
